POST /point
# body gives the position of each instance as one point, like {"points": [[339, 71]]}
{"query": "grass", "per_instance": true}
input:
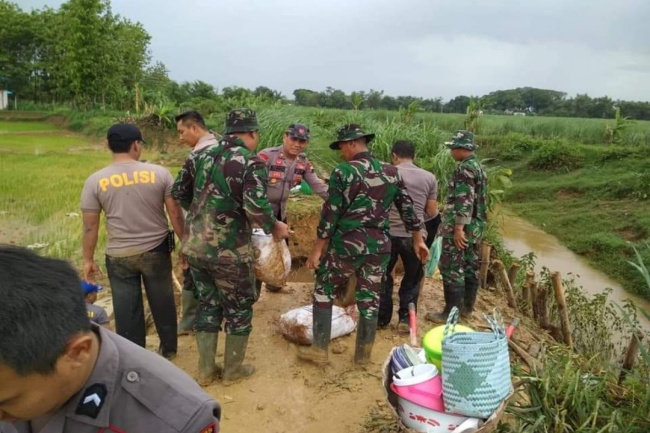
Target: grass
{"points": [[6, 126], [41, 177], [600, 210]]}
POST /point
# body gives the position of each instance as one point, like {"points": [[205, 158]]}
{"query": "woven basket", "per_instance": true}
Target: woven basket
{"points": [[489, 426]]}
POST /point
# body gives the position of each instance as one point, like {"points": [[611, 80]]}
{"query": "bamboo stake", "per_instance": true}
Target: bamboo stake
{"points": [[542, 309], [630, 356], [485, 264], [529, 360], [512, 273], [510, 296], [534, 311], [562, 309]]}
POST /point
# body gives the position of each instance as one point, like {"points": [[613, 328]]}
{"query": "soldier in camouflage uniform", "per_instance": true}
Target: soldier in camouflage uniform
{"points": [[463, 225], [354, 231], [223, 189]]}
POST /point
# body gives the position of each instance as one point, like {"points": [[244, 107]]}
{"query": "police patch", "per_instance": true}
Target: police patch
{"points": [[92, 400], [212, 428]]}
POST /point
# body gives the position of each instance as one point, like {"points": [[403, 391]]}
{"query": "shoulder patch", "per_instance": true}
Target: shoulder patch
{"points": [[263, 156], [212, 428]]}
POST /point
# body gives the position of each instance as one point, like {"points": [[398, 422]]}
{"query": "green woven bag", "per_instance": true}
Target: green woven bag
{"points": [[475, 368]]}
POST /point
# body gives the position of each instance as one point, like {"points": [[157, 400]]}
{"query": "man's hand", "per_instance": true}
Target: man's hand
{"points": [[421, 251], [280, 231], [182, 259], [314, 258], [313, 261], [459, 237], [90, 269]]}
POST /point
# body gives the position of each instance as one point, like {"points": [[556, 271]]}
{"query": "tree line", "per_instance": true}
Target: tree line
{"points": [[84, 55]]}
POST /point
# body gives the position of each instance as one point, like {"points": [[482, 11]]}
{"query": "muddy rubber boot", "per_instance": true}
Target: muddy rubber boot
{"points": [[207, 345], [233, 368], [469, 299], [318, 351], [366, 331], [273, 289], [454, 294], [189, 305]]}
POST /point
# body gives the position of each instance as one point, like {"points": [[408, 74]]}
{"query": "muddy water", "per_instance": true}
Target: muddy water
{"points": [[522, 237]]}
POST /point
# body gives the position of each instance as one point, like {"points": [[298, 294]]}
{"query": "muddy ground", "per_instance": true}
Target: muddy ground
{"points": [[287, 395]]}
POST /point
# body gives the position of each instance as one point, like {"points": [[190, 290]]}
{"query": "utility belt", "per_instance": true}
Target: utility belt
{"points": [[168, 244]]}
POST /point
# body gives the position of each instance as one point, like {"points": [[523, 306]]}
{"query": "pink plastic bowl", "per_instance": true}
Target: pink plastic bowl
{"points": [[421, 385]]}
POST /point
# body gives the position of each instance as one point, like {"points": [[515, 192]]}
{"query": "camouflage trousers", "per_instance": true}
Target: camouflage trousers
{"points": [[334, 272], [226, 292], [458, 265]]}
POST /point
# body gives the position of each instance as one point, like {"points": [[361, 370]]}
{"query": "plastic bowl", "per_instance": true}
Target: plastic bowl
{"points": [[432, 343]]}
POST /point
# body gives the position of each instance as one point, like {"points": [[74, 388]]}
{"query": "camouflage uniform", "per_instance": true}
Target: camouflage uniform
{"points": [[466, 204], [223, 188], [224, 192], [355, 220]]}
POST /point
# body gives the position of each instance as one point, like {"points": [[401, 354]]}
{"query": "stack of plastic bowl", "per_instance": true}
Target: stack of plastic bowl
{"points": [[405, 356]]}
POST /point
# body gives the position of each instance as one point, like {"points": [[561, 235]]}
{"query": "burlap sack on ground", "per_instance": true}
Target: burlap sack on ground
{"points": [[272, 259]]}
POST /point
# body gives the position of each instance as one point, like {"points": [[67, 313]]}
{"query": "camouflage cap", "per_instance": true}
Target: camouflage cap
{"points": [[241, 120], [350, 132], [299, 131], [462, 140]]}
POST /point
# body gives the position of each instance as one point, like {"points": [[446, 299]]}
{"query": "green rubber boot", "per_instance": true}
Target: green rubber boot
{"points": [[233, 368], [207, 345], [366, 331], [317, 353]]}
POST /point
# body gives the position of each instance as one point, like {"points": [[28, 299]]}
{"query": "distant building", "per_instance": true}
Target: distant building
{"points": [[519, 113], [4, 99]]}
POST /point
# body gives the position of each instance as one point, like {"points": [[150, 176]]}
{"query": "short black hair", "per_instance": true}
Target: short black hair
{"points": [[404, 149], [120, 146], [41, 308], [192, 117]]}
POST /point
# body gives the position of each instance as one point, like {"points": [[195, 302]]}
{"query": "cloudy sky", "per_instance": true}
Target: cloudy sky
{"points": [[425, 48]]}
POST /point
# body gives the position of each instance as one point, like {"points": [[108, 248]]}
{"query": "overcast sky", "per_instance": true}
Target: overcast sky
{"points": [[425, 48]]}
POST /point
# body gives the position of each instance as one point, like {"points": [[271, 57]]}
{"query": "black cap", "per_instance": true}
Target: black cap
{"points": [[125, 133], [299, 131]]}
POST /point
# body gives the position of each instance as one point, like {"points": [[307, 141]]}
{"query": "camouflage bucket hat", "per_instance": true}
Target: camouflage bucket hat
{"points": [[241, 120], [299, 131], [462, 140], [350, 132]]}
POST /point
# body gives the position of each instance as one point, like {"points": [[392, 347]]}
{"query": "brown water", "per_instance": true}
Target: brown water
{"points": [[522, 237]]}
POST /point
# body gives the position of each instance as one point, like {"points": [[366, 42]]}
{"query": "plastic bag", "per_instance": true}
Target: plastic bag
{"points": [[297, 325], [434, 257], [272, 259]]}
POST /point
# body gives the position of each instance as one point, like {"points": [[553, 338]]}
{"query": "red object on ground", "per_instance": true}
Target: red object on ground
{"points": [[413, 325], [511, 327]]}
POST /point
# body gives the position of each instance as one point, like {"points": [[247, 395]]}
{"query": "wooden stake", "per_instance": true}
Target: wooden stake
{"points": [[630, 356], [533, 298], [510, 296], [562, 309], [485, 264], [532, 362], [512, 273], [542, 309]]}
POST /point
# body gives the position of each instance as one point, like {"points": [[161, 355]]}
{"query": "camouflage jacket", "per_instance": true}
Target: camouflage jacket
{"points": [[355, 216], [467, 201], [223, 189]]}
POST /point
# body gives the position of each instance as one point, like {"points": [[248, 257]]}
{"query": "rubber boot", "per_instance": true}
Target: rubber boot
{"points": [[318, 351], [366, 330], [454, 294], [233, 368], [274, 289], [189, 305], [469, 299], [207, 345]]}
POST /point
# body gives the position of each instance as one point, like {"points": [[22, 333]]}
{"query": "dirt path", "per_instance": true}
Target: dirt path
{"points": [[286, 395]]}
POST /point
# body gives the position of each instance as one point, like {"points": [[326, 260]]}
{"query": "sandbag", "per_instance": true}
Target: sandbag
{"points": [[297, 325], [272, 259]]}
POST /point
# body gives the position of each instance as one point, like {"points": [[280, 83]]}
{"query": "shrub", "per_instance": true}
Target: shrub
{"points": [[558, 155]]}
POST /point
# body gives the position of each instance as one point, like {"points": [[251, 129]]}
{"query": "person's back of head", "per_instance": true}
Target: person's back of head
{"points": [[403, 149], [41, 309], [125, 138]]}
